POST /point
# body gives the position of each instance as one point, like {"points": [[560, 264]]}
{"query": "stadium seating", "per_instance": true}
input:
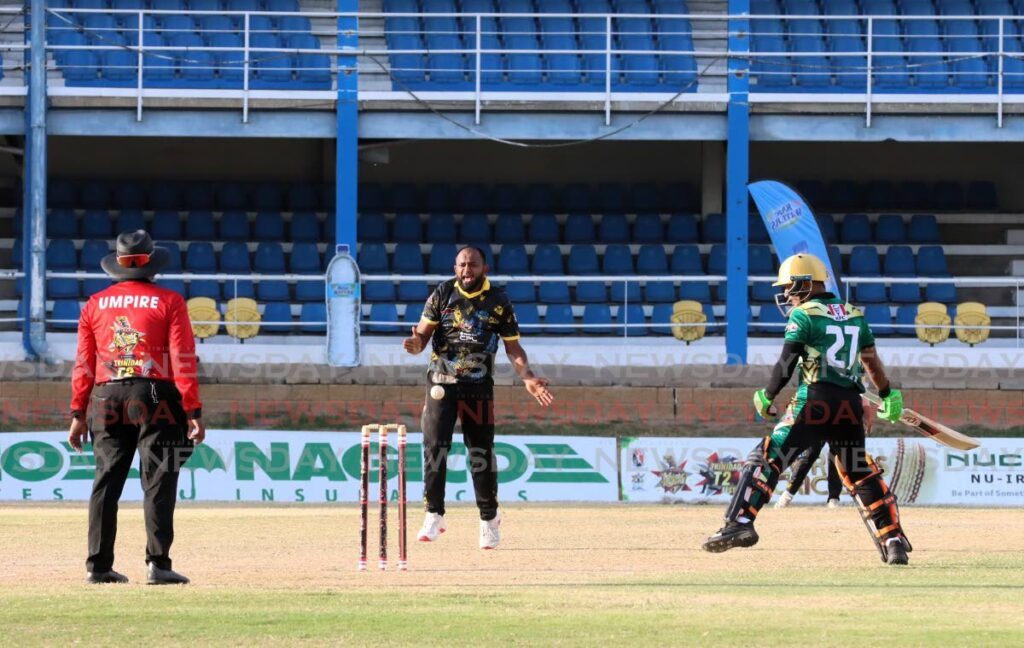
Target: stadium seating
{"points": [[205, 317], [972, 322], [932, 323]]}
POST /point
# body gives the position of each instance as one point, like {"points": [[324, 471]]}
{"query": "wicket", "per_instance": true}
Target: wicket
{"points": [[382, 430]]}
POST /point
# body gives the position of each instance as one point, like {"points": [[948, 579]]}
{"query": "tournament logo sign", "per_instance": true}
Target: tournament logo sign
{"points": [[721, 475], [672, 479]]}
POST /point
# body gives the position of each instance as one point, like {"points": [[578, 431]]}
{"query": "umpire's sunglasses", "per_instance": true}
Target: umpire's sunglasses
{"points": [[133, 260]]}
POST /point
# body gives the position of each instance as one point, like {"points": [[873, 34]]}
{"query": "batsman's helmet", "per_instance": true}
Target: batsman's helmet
{"points": [[799, 268]]}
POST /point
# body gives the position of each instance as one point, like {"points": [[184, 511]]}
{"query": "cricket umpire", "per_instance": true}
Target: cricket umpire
{"points": [[134, 387], [464, 318], [833, 344]]}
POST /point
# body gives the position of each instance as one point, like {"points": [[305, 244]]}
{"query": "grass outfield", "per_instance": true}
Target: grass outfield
{"points": [[580, 575]]}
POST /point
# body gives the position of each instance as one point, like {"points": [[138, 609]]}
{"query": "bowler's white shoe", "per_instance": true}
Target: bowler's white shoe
{"points": [[833, 504], [784, 500], [433, 526], [490, 533]]}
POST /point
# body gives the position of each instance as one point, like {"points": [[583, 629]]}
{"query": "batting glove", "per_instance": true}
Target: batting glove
{"points": [[892, 406], [763, 406]]}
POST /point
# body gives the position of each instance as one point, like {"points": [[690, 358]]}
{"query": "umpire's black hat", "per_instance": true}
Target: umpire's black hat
{"points": [[135, 257]]}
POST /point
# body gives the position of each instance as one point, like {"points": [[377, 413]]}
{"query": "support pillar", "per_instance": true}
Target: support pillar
{"points": [[346, 169], [737, 173]]}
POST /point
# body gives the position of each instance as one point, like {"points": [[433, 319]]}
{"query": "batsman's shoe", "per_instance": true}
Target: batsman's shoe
{"points": [[100, 578], [433, 526], [833, 504], [490, 533], [732, 535], [896, 552], [157, 576], [784, 500]]}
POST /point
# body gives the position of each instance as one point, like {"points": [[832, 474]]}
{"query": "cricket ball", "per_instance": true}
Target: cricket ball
{"points": [[437, 392]]}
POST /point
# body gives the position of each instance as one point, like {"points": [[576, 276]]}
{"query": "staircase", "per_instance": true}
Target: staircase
{"points": [[709, 36]]}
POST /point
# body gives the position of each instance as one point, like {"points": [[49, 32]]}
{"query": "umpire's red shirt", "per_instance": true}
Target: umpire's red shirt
{"points": [[135, 329]]}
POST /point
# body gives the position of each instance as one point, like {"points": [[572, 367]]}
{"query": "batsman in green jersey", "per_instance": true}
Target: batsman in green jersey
{"points": [[832, 344]]}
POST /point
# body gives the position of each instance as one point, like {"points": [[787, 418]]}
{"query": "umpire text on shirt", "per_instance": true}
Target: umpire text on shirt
{"points": [[135, 346]]}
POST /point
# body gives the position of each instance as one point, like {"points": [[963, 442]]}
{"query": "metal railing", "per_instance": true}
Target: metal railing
{"points": [[558, 57]]}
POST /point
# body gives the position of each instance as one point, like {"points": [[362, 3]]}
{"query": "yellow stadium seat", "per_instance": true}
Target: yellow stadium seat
{"points": [[688, 312], [242, 318], [205, 317], [972, 322], [932, 323]]}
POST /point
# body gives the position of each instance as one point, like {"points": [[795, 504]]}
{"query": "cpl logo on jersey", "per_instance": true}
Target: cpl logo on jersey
{"points": [[838, 312], [126, 341]]}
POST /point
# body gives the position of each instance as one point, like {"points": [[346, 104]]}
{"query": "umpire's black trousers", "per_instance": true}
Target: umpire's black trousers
{"points": [[129, 415], [473, 405]]}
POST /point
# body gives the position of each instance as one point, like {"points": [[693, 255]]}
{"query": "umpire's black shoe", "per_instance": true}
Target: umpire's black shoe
{"points": [[157, 576], [733, 534], [99, 578], [896, 552]]}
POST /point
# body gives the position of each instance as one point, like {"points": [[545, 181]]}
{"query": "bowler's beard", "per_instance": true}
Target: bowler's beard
{"points": [[474, 286]]}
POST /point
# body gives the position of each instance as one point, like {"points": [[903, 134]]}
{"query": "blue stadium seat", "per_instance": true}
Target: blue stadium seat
{"points": [[539, 198], [129, 195], [597, 314], [514, 261], [200, 288], [547, 260], [269, 226], [409, 260], [618, 261], [67, 311], [277, 318], [579, 228], [305, 260], [371, 197], [62, 257], [96, 224], [506, 199], [302, 197], [558, 320], [923, 229], [199, 226], [373, 228], [509, 229], [827, 227], [475, 228], [981, 195], [438, 198], [583, 261], [305, 228], [474, 198], [757, 232], [440, 228], [855, 229], [61, 223], [682, 228], [383, 313], [413, 313], [931, 262], [632, 315], [81, 68], [913, 195], [644, 198], [905, 316], [199, 196], [899, 262], [661, 319], [948, 196], [528, 317], [879, 319], [647, 228], [62, 194], [314, 315], [373, 259], [404, 197], [714, 228], [234, 259], [234, 226], [442, 259], [543, 228], [614, 228], [174, 266], [770, 321], [890, 229], [879, 194], [119, 68], [232, 195], [267, 197], [130, 220], [165, 195], [612, 197], [864, 263], [651, 260], [92, 252], [200, 257], [843, 195], [717, 260], [407, 228], [166, 225], [761, 263]]}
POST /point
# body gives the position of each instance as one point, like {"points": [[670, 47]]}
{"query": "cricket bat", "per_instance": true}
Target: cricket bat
{"points": [[940, 433]]}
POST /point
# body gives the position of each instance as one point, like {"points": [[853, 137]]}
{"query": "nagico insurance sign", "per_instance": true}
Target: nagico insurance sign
{"points": [[282, 466]]}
